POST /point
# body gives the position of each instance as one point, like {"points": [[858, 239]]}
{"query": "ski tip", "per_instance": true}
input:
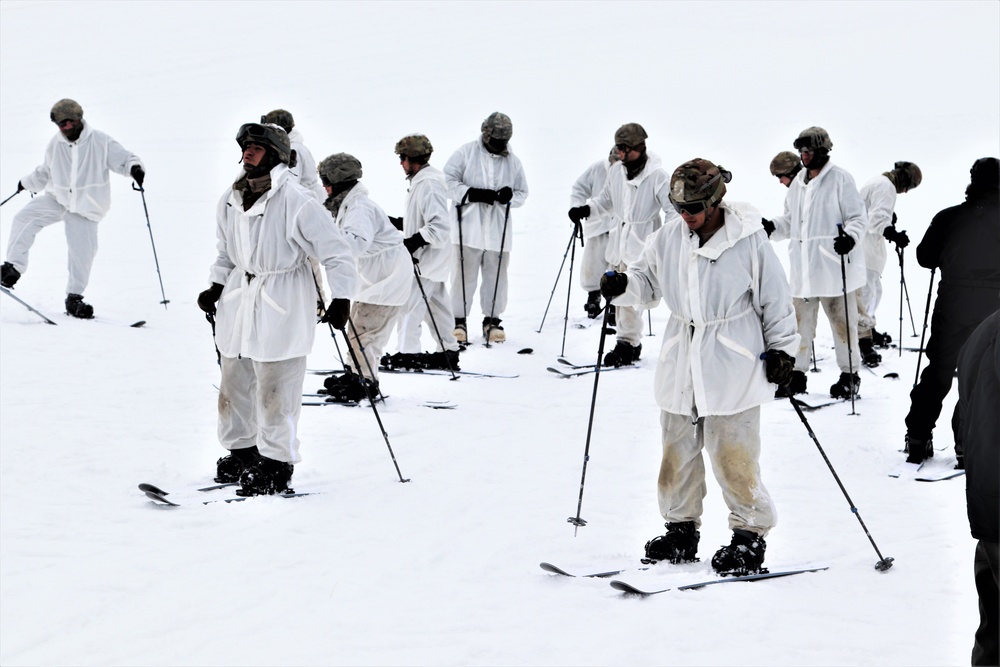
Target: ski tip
{"points": [[138, 324], [146, 487], [526, 350]]}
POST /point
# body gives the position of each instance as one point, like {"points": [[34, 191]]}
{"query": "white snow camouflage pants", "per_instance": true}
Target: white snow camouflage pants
{"points": [[81, 239], [733, 446], [806, 314], [494, 272], [368, 333], [593, 264], [259, 404]]}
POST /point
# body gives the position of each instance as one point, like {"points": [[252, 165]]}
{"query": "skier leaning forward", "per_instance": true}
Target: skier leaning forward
{"points": [[729, 303], [268, 226]]}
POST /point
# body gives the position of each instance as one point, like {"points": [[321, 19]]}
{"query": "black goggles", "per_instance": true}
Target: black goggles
{"points": [[251, 130], [689, 207]]}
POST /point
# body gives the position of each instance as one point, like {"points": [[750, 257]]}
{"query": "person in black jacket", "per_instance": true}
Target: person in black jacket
{"points": [[964, 242], [977, 427]]}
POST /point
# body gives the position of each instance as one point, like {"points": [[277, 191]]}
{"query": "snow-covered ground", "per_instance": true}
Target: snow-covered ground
{"points": [[444, 569]]}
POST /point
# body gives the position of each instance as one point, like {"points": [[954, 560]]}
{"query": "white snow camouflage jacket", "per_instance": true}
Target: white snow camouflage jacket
{"points": [[812, 212], [268, 307], [728, 302], [636, 204], [588, 186], [305, 167], [428, 213], [879, 195], [384, 265], [76, 173], [472, 166]]}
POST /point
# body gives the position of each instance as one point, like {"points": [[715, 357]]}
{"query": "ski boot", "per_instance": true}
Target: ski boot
{"points": [[265, 477], [349, 388], [229, 468], [678, 545], [623, 354], [743, 556], [593, 305], [869, 357], [445, 360], [918, 450], [797, 385], [461, 333], [847, 386], [9, 275], [881, 340], [492, 331], [76, 307]]}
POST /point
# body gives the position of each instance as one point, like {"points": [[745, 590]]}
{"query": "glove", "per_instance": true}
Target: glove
{"points": [[396, 222], [899, 238], [414, 243], [768, 226], [893, 218], [481, 196], [578, 213], [613, 284], [138, 175], [19, 186], [843, 244], [504, 195], [778, 367], [337, 313], [208, 298]]}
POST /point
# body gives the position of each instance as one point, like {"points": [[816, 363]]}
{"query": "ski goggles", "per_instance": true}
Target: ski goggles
{"points": [[689, 207]]}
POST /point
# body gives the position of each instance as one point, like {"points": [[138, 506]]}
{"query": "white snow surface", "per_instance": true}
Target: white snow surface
{"points": [[444, 569]]}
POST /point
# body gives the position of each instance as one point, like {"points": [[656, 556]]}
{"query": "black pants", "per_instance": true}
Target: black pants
{"points": [[985, 650], [946, 341]]}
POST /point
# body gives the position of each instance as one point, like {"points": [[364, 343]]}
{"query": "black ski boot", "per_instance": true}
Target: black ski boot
{"points": [[76, 307], [881, 340], [9, 275], [229, 468], [461, 332], [918, 450], [266, 477], [846, 386], [743, 556], [442, 360], [623, 354], [869, 357], [593, 305], [797, 385], [402, 361], [679, 545], [349, 388]]}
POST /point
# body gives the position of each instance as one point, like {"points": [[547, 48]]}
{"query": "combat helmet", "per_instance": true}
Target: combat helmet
{"points": [[695, 182], [813, 137], [268, 135], [339, 168]]}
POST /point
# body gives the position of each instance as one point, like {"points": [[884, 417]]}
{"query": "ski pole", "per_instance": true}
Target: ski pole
{"points": [[361, 348], [578, 233], [142, 192], [36, 312], [371, 400], [847, 320], [883, 563], [572, 239], [815, 369], [923, 331], [11, 197], [496, 285], [576, 520], [902, 290], [461, 265], [902, 280], [430, 314], [211, 320]]}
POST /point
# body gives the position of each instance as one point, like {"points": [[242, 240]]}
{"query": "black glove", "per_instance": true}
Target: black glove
{"points": [[613, 284], [482, 196], [768, 226], [19, 186], [504, 195], [208, 298], [893, 218], [138, 175], [578, 213], [396, 222], [843, 244], [778, 367], [337, 313], [414, 243], [899, 238]]}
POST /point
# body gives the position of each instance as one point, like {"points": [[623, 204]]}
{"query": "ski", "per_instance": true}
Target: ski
{"points": [[145, 486], [440, 371], [907, 470], [818, 404], [630, 589], [159, 496], [553, 569], [11, 295], [573, 372], [133, 325], [566, 362], [436, 405], [939, 476]]}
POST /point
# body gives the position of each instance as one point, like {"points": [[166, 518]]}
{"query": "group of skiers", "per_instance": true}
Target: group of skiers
{"points": [[738, 325]]}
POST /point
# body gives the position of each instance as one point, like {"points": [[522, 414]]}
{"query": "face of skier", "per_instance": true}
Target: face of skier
{"points": [[70, 128], [627, 153], [253, 154], [785, 180], [409, 168], [807, 156], [704, 223]]}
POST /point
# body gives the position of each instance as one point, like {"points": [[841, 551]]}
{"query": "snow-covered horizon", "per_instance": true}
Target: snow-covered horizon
{"points": [[444, 569]]}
